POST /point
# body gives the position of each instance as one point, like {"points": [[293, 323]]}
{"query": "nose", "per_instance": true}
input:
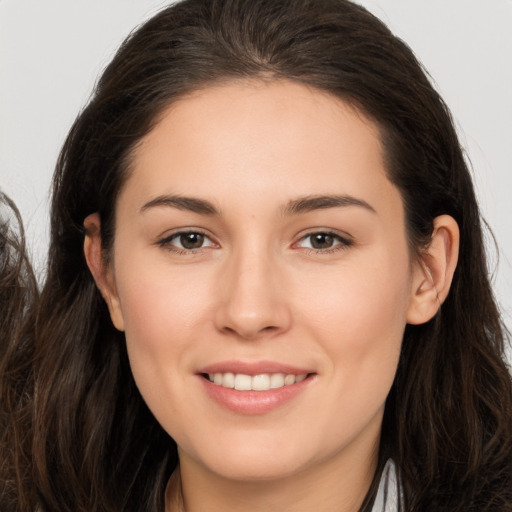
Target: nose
{"points": [[252, 301]]}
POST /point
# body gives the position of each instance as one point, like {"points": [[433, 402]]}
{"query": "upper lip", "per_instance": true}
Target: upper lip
{"points": [[253, 368]]}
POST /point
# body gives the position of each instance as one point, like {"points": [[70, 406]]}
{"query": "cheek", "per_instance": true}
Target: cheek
{"points": [[159, 299], [360, 327], [164, 316], [360, 316], [361, 302]]}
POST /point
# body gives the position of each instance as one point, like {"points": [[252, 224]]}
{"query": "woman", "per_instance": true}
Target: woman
{"points": [[267, 265]]}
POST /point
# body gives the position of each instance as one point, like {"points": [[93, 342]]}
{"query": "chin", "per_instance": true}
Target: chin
{"points": [[234, 467], [254, 456]]}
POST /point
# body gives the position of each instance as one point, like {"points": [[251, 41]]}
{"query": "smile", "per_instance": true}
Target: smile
{"points": [[261, 382]]}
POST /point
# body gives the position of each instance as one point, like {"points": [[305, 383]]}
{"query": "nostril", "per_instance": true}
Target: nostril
{"points": [[248, 333]]}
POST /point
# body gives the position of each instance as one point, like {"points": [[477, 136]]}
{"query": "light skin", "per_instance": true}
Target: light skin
{"points": [[300, 257]]}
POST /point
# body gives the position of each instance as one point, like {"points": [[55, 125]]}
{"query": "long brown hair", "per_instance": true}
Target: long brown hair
{"points": [[448, 418], [18, 303]]}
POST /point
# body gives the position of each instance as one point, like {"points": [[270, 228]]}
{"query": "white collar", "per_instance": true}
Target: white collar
{"points": [[388, 497]]}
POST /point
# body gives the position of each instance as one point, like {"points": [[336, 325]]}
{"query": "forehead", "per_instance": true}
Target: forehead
{"points": [[260, 139]]}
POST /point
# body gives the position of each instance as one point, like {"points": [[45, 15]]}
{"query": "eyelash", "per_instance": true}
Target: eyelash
{"points": [[343, 242], [166, 242]]}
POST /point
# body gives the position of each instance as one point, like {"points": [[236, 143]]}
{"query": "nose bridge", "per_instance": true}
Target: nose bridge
{"points": [[252, 300]]}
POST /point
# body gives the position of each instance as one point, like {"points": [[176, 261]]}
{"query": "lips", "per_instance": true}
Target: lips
{"points": [[254, 368], [254, 388]]}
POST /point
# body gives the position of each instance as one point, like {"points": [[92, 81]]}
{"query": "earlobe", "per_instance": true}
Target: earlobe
{"points": [[433, 272], [103, 275]]}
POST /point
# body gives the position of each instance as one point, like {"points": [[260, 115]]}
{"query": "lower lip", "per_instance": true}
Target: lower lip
{"points": [[254, 402]]}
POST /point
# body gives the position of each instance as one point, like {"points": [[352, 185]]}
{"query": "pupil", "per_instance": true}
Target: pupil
{"points": [[192, 240], [322, 241]]}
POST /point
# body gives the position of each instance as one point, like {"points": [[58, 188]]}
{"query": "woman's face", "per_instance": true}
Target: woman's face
{"points": [[259, 244]]}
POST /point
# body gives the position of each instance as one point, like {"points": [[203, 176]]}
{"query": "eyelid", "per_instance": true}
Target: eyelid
{"points": [[344, 240], [165, 241]]}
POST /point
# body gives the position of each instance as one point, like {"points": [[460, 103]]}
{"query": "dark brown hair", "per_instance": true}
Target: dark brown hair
{"points": [[18, 303], [448, 418]]}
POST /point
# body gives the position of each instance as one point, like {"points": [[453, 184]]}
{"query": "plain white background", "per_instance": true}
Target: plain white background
{"points": [[52, 51]]}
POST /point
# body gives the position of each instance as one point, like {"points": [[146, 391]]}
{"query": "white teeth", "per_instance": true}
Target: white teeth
{"points": [[261, 382], [289, 380], [276, 380], [228, 380], [243, 382]]}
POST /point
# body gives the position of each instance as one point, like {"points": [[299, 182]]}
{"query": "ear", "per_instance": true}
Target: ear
{"points": [[102, 273], [433, 271]]}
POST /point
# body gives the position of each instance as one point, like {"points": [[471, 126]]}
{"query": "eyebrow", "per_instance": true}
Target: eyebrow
{"points": [[311, 203], [191, 204], [294, 207]]}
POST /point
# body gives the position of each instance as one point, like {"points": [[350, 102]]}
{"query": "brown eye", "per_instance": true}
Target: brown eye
{"points": [[186, 241], [191, 240], [322, 241]]}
